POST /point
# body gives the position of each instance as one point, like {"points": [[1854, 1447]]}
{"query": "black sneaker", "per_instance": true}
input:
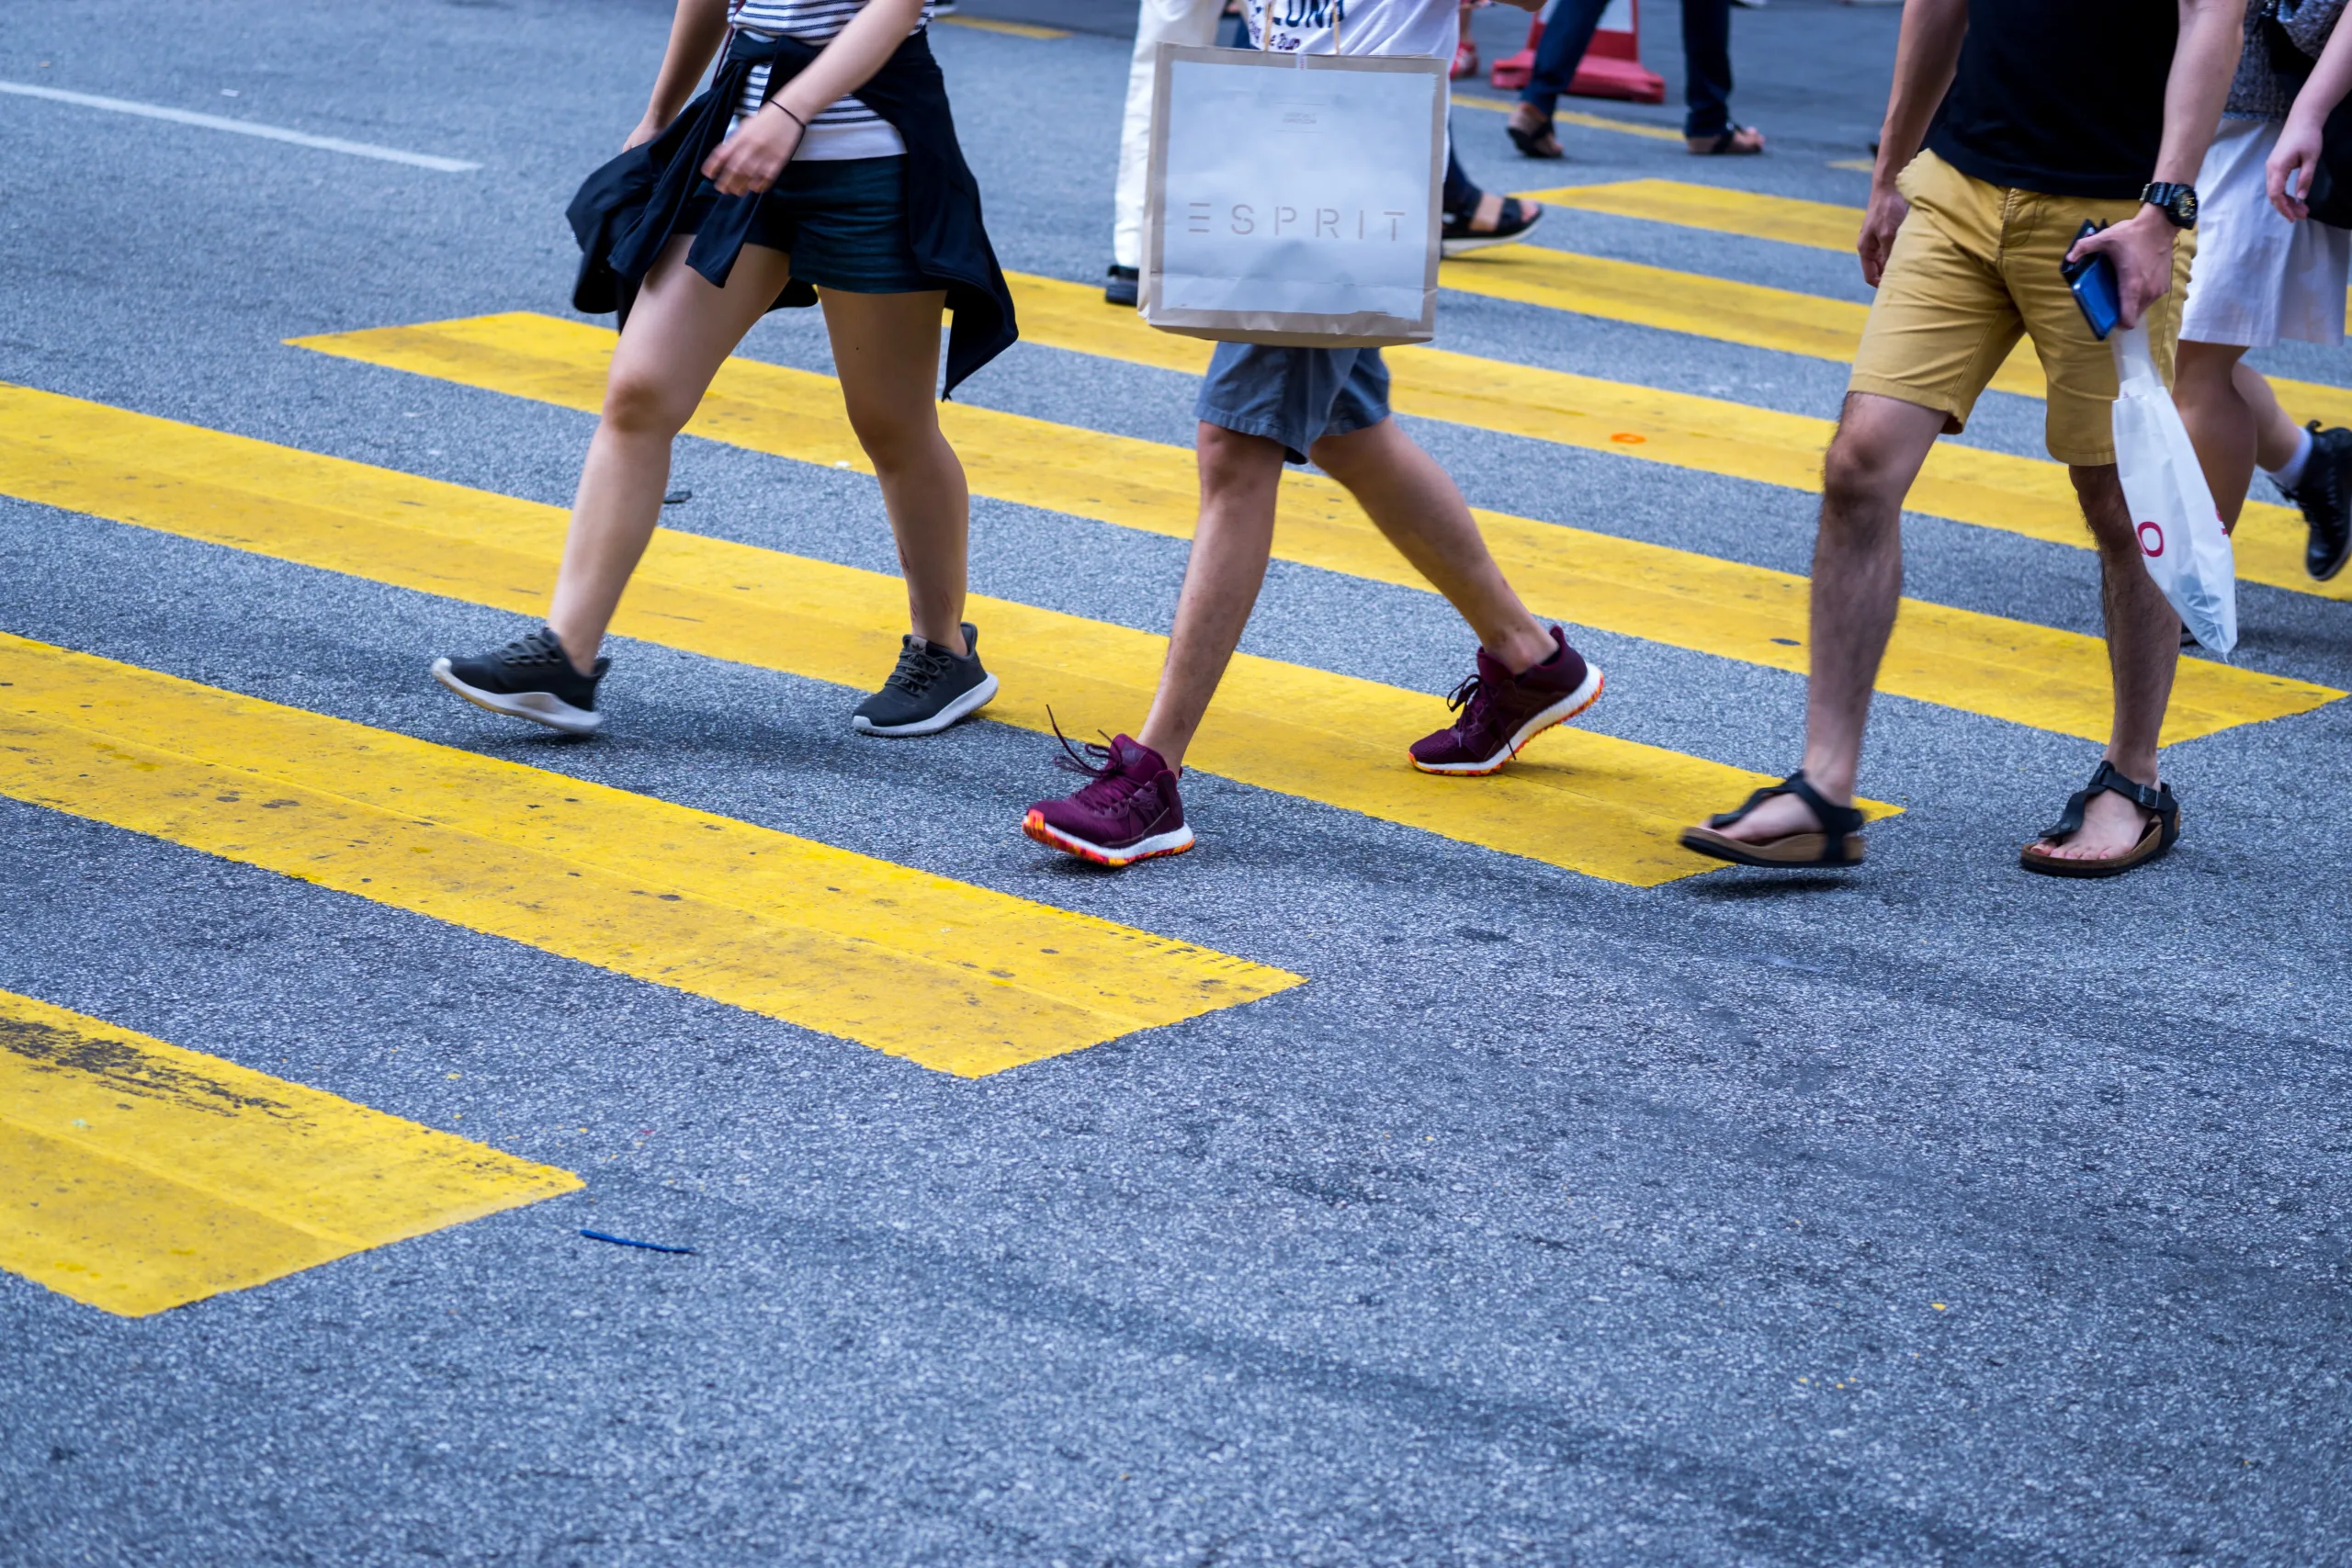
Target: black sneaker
{"points": [[2325, 498], [530, 678], [930, 690], [1121, 290]]}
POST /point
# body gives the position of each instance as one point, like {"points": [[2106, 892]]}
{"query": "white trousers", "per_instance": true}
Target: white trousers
{"points": [[1157, 22]]}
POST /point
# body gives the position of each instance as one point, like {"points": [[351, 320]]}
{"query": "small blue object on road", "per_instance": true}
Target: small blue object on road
{"points": [[624, 1241]]}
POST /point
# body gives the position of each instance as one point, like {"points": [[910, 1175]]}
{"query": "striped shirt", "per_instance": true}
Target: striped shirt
{"points": [[847, 130]]}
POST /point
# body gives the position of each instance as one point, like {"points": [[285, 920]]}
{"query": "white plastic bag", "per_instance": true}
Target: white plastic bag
{"points": [[2180, 533], [1294, 198]]}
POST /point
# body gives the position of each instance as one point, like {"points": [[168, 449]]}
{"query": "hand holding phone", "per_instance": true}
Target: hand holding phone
{"points": [[2092, 279]]}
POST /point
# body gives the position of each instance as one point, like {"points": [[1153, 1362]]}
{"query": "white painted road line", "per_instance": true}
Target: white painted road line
{"points": [[242, 127]]}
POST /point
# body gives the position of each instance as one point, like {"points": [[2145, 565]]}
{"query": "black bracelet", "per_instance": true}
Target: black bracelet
{"points": [[796, 118]]}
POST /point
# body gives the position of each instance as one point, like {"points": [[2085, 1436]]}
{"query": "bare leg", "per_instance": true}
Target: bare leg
{"points": [[1856, 587], [1416, 503], [885, 347], [679, 333], [1239, 475], [2221, 426], [2276, 434], [2142, 647]]}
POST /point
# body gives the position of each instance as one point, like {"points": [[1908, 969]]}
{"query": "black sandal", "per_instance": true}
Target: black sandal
{"points": [[1531, 143], [1459, 238], [1837, 843], [1726, 145], [2161, 835]]}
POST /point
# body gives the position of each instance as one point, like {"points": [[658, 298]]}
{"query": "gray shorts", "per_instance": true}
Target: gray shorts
{"points": [[1295, 395]]}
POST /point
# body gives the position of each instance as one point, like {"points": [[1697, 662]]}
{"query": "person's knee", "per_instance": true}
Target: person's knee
{"points": [[1863, 471], [2105, 512], [1230, 459], [640, 402], [894, 435]]}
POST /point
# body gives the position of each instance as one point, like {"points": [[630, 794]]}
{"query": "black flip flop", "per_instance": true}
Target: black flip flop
{"points": [[1459, 238], [1727, 145], [2160, 836], [1531, 143], [1836, 844]]}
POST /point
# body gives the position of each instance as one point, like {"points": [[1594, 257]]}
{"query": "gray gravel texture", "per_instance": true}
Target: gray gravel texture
{"points": [[1937, 1214]]}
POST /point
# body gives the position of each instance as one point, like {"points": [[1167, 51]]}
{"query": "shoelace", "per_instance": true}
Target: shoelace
{"points": [[919, 665], [536, 648], [1110, 786], [1471, 700]]}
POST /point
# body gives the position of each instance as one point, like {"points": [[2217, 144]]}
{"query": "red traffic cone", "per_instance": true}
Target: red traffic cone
{"points": [[1611, 68]]}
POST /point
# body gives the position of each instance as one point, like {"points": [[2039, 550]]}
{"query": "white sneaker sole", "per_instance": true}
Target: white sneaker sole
{"points": [[1173, 843], [538, 707], [962, 708], [1567, 707]]}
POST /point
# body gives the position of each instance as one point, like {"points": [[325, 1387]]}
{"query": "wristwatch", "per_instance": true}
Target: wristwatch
{"points": [[2177, 203]]}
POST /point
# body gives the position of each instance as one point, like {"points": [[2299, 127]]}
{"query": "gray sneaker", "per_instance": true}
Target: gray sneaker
{"points": [[930, 690]]}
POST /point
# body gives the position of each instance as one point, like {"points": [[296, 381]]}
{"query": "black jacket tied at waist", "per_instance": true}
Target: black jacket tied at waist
{"points": [[628, 209]]}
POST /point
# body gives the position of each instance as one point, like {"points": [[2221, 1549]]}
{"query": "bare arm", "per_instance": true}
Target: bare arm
{"points": [[2203, 61], [695, 33], [2297, 154], [751, 158], [1925, 55]]}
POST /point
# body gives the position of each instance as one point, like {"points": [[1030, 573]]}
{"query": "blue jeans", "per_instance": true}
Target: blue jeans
{"points": [[1706, 60]]}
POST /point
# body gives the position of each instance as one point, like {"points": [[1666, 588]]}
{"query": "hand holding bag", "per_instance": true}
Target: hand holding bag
{"points": [[1294, 198], [2182, 538]]}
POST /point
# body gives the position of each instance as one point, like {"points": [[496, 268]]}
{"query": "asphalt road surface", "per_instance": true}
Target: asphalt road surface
{"points": [[1408, 1175]]}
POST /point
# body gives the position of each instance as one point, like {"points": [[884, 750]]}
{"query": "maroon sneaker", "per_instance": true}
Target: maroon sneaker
{"points": [[1127, 812], [1502, 712]]}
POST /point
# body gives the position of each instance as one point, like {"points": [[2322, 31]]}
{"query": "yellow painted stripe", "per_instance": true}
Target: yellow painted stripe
{"points": [[1011, 30], [136, 1176], [954, 976], [2006, 668], [1817, 225], [1690, 302], [1572, 117], [1587, 802]]}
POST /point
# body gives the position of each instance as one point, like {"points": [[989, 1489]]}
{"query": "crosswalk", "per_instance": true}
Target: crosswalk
{"points": [[952, 976], [136, 1176], [2036, 675]]}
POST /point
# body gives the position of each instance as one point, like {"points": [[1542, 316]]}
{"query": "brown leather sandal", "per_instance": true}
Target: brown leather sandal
{"points": [[2163, 833], [1836, 844]]}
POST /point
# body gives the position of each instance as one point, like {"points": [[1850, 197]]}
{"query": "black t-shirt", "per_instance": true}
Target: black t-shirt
{"points": [[2066, 97]]}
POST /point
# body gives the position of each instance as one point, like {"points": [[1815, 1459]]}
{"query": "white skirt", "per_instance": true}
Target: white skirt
{"points": [[2258, 279]]}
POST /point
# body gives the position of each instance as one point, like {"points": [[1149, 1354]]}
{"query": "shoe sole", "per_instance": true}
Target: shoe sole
{"points": [[962, 708], [1159, 844], [1464, 245], [1566, 708], [1797, 851], [537, 708]]}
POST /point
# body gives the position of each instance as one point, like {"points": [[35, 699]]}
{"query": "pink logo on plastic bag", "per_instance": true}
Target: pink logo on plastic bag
{"points": [[2156, 548]]}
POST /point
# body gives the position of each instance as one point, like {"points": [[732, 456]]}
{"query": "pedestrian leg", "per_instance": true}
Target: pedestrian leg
{"points": [[2221, 426], [1707, 125], [680, 331], [1568, 33], [1856, 587], [2142, 650], [1157, 22]]}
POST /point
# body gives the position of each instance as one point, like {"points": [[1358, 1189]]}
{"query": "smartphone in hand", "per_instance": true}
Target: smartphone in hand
{"points": [[2093, 285]]}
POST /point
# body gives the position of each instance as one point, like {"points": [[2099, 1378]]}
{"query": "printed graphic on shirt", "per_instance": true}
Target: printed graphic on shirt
{"points": [[1354, 27]]}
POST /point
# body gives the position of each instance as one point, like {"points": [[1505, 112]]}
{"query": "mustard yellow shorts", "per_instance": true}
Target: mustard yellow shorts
{"points": [[1974, 267]]}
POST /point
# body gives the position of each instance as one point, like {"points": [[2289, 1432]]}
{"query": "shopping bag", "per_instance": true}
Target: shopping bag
{"points": [[1294, 198], [2180, 533]]}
